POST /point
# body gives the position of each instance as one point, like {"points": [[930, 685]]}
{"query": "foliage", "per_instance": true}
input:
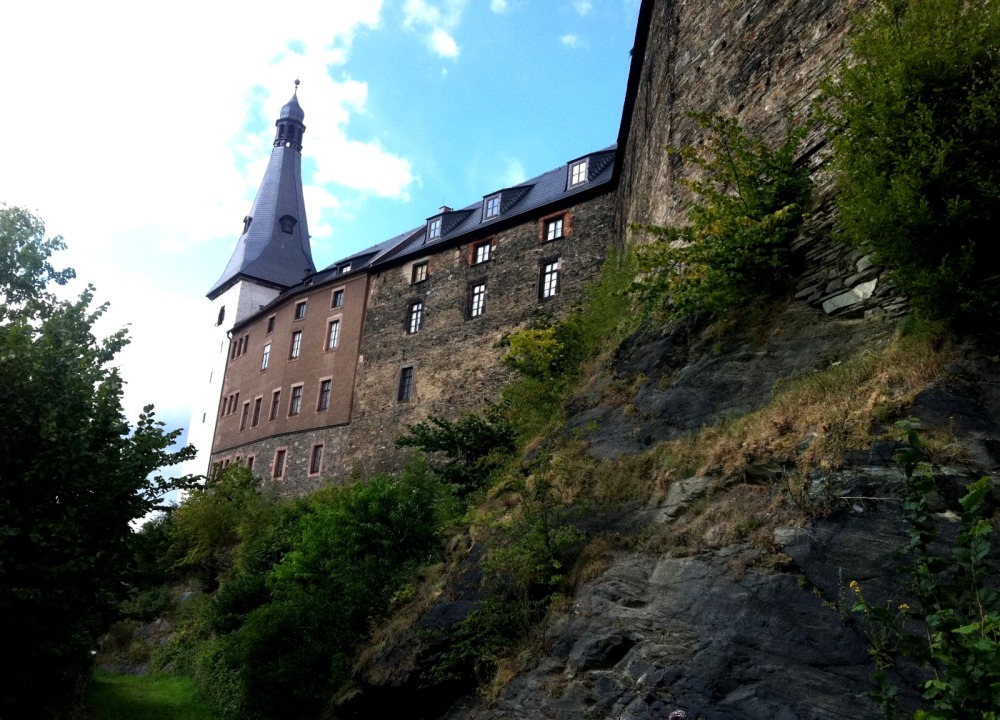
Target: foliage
{"points": [[208, 522], [749, 203], [308, 585], [524, 571], [73, 474], [474, 446], [917, 149], [958, 613]]}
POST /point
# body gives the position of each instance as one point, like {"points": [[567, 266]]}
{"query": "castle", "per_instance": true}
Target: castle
{"points": [[318, 371]]}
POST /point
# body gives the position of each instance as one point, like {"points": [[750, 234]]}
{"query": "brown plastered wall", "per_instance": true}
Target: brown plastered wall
{"points": [[315, 362], [456, 360]]}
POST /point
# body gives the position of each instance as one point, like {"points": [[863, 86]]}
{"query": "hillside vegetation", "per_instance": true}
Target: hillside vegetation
{"points": [[447, 580]]}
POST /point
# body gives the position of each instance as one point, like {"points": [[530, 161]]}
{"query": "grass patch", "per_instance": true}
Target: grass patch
{"points": [[145, 697], [813, 421]]}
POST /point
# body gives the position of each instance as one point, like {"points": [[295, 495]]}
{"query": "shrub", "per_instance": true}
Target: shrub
{"points": [[475, 446], [736, 244], [917, 149]]}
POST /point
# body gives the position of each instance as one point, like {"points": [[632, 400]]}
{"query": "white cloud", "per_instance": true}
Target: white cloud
{"points": [[498, 6], [436, 22], [583, 6], [443, 44], [514, 173], [570, 40], [150, 129]]}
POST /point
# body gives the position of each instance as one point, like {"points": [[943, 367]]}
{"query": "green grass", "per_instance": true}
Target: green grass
{"points": [[145, 697]]}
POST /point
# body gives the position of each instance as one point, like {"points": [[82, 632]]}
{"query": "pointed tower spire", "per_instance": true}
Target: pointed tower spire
{"points": [[273, 249]]}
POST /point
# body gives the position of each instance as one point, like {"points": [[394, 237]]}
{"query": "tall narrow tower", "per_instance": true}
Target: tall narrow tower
{"points": [[271, 255]]}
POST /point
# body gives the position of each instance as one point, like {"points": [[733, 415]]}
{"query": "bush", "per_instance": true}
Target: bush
{"points": [[917, 149], [475, 446], [737, 242]]}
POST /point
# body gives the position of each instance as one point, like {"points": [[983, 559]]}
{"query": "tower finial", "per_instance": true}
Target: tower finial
{"points": [[296, 93]]}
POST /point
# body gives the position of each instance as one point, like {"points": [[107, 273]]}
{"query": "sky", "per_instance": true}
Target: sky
{"points": [[140, 133]]}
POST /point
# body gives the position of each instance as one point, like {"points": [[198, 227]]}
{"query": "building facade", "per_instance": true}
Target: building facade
{"points": [[327, 370]]}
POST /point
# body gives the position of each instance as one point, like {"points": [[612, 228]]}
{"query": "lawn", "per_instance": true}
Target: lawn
{"points": [[145, 697]]}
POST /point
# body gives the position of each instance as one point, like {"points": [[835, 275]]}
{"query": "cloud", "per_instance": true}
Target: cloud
{"points": [[149, 137], [437, 23], [570, 40], [514, 173], [583, 6], [498, 6]]}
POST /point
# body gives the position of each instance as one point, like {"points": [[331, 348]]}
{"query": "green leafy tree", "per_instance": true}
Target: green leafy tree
{"points": [[917, 149], [474, 446], [73, 475], [749, 202]]}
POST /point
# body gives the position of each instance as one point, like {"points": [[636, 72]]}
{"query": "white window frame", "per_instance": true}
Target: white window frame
{"points": [[266, 358], [549, 281], [482, 252], [415, 317], [296, 348], [434, 228], [554, 229], [491, 207], [333, 334], [477, 299]]}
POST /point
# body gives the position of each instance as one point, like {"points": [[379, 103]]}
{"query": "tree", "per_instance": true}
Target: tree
{"points": [[917, 149], [73, 474]]}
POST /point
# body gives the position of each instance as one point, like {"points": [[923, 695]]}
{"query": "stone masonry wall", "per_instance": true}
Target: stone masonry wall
{"points": [[455, 358], [761, 62]]}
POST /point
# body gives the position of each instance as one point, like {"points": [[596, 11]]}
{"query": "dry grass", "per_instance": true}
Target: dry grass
{"points": [[813, 421]]}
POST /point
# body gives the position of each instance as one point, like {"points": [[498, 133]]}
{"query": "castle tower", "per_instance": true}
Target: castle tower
{"points": [[271, 255]]}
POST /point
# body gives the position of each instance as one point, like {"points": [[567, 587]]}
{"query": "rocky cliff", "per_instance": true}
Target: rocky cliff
{"points": [[722, 587]]}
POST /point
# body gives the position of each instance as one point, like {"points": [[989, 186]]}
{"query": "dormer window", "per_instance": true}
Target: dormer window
{"points": [[491, 207], [345, 269], [287, 224], [578, 173], [434, 229], [246, 223]]}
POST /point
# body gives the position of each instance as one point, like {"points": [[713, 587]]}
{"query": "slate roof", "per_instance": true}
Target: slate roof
{"points": [[517, 203], [264, 252]]}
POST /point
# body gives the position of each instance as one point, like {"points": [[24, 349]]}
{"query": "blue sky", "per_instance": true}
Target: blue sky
{"points": [[140, 133]]}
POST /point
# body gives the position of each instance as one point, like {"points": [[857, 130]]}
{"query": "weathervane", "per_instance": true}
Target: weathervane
{"points": [[296, 93]]}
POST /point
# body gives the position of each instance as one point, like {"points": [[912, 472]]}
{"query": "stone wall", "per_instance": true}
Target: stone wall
{"points": [[456, 359]]}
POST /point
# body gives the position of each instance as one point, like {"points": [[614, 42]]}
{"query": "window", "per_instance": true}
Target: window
{"points": [[405, 384], [256, 412], [270, 325], [245, 416], [324, 395], [578, 173], [266, 358], [346, 269], [481, 252], [316, 460], [333, 335], [287, 223], [250, 459], [434, 229], [295, 406], [338, 298], [279, 463], [549, 283], [477, 300], [296, 348], [419, 272], [300, 310], [416, 317], [222, 316], [491, 207], [554, 229], [275, 402]]}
